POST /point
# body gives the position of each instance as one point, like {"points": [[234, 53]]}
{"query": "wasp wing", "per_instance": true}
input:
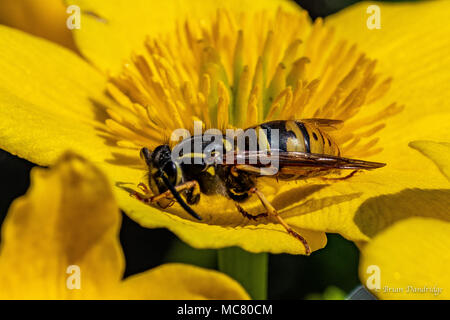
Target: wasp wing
{"points": [[325, 161], [300, 160], [326, 124]]}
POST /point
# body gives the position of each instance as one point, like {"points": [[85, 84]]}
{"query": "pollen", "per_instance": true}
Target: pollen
{"points": [[237, 70]]}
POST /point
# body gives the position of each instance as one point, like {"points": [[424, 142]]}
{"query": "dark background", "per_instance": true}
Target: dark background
{"points": [[332, 270]]}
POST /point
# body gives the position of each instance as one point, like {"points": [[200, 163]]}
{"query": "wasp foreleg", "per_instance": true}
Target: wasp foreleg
{"points": [[272, 211], [190, 185], [145, 197], [145, 189], [148, 198]]}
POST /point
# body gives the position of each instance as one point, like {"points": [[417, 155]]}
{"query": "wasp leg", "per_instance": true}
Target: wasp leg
{"points": [[147, 197], [193, 194], [248, 215], [351, 174], [143, 197], [145, 189], [272, 211], [190, 185]]}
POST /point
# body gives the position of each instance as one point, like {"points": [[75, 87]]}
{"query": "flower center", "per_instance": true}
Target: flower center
{"points": [[240, 70]]}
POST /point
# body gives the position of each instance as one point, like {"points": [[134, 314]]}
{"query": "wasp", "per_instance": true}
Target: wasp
{"points": [[304, 149]]}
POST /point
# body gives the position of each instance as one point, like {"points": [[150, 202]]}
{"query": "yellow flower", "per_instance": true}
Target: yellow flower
{"points": [[197, 64], [438, 152], [60, 241], [43, 18], [413, 259], [413, 255]]}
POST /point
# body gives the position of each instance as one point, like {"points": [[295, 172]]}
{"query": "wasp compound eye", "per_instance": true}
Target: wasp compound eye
{"points": [[161, 155]]}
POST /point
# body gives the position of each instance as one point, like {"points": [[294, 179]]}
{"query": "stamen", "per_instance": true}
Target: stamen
{"points": [[278, 66]]}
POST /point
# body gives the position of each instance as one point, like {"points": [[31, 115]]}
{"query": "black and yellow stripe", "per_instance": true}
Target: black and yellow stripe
{"points": [[298, 136]]}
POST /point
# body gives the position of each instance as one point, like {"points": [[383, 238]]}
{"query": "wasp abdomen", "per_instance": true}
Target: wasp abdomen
{"points": [[295, 136]]}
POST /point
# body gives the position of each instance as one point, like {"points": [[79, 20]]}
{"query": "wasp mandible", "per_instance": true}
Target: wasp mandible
{"points": [[304, 149]]}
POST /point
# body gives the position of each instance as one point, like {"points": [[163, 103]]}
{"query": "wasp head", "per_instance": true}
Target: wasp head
{"points": [[164, 174], [160, 162]]}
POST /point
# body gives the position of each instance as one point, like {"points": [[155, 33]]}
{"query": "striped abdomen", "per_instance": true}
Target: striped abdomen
{"points": [[298, 136]]}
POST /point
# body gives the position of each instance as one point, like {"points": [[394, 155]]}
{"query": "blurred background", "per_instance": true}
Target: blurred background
{"points": [[330, 273]]}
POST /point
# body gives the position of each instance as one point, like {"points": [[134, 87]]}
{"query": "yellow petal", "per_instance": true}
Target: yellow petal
{"points": [[341, 207], [413, 48], [112, 30], [68, 218], [181, 282], [65, 230], [438, 152], [44, 18], [49, 100], [413, 259], [42, 136], [369, 202]]}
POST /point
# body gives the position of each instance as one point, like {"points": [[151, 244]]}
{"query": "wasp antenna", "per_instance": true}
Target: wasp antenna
{"points": [[177, 196]]}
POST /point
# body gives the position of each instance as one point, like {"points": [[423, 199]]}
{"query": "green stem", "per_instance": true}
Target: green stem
{"points": [[249, 269]]}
